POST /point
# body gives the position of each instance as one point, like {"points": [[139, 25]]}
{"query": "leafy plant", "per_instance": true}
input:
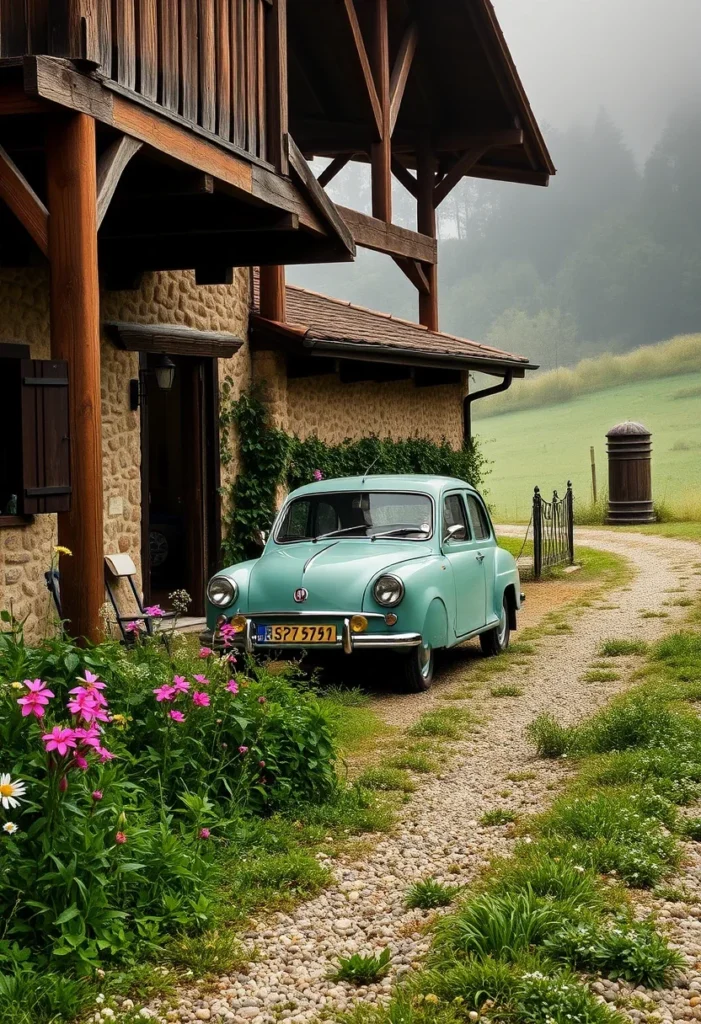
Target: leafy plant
{"points": [[498, 816], [430, 894], [363, 970], [550, 738]]}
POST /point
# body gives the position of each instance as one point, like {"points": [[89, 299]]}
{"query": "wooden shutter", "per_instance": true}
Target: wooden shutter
{"points": [[46, 480]]}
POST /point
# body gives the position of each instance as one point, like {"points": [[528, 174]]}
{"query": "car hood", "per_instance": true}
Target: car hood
{"points": [[336, 573]]}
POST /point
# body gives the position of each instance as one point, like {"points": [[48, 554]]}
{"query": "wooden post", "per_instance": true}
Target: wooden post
{"points": [[272, 293], [592, 456], [381, 152], [75, 337], [426, 224]]}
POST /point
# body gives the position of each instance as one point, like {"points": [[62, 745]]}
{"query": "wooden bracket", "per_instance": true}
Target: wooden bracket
{"points": [[365, 65], [459, 169], [414, 270], [110, 168], [334, 168], [404, 176], [26, 205], [400, 73], [317, 196]]}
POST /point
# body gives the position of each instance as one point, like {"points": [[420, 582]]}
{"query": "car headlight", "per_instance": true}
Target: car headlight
{"points": [[388, 591], [221, 591]]}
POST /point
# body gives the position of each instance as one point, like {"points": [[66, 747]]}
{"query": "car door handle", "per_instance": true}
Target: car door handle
{"points": [[479, 556]]}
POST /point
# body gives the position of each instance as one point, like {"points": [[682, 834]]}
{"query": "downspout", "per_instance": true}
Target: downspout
{"points": [[484, 393]]}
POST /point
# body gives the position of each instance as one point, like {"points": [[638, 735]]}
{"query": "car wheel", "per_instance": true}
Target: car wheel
{"points": [[419, 667], [495, 641]]}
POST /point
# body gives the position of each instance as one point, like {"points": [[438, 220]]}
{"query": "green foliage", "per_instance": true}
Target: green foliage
{"points": [[442, 723], [507, 690], [363, 970], [617, 647], [498, 816], [549, 737], [430, 894], [217, 952], [414, 761], [385, 778], [271, 458]]}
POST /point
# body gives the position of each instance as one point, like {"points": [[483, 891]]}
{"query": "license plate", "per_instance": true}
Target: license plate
{"points": [[296, 635]]}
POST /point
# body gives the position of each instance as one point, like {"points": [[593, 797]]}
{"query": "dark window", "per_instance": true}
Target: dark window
{"points": [[480, 521], [454, 515], [357, 515], [11, 448]]}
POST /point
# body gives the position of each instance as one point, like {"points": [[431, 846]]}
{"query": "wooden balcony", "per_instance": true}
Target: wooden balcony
{"points": [[209, 63]]}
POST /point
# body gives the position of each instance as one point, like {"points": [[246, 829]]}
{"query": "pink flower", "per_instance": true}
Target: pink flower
{"points": [[232, 686], [37, 699], [177, 716], [318, 475], [154, 611], [88, 704], [105, 755], [205, 833], [206, 652], [89, 737], [164, 693], [243, 750], [261, 764], [231, 659], [91, 681], [202, 680], [80, 762], [97, 795], [201, 700], [132, 627], [120, 838], [262, 700], [60, 740], [180, 684]]}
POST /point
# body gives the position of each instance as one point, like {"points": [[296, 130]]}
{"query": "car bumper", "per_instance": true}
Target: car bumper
{"points": [[348, 641]]}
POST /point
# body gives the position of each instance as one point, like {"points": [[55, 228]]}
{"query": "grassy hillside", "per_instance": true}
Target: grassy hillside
{"points": [[679, 356], [548, 445]]}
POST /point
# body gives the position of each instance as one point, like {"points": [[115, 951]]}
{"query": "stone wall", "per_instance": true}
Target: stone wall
{"points": [[26, 552], [335, 411]]}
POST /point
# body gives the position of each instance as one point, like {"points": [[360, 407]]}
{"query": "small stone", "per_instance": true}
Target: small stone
{"points": [[203, 1013]]}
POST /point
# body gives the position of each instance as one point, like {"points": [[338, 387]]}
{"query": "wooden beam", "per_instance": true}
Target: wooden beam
{"points": [[14, 100], [334, 168], [504, 138], [272, 294], [26, 205], [364, 64], [317, 195], [381, 152], [426, 222], [75, 337], [371, 233], [404, 176], [400, 73], [416, 274], [459, 169], [277, 88], [110, 168]]}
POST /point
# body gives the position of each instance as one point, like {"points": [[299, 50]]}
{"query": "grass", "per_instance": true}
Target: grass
{"points": [[498, 816], [600, 675], [448, 724], [507, 690], [363, 970], [621, 648], [386, 778], [414, 761], [430, 895], [547, 445]]}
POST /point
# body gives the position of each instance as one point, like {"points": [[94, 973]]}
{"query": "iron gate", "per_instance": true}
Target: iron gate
{"points": [[553, 530]]}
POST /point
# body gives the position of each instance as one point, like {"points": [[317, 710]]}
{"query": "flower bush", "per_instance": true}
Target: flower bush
{"points": [[124, 775]]}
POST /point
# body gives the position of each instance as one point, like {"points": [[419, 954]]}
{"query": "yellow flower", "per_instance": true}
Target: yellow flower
{"points": [[59, 550], [431, 998], [16, 686], [120, 720]]}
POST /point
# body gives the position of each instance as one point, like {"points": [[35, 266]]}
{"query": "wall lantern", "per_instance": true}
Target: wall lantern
{"points": [[163, 371]]}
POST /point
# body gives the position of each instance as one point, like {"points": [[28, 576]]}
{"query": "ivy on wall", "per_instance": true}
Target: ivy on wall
{"points": [[271, 458]]}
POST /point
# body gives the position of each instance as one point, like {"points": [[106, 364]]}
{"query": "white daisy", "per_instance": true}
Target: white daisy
{"points": [[10, 792], [10, 828]]}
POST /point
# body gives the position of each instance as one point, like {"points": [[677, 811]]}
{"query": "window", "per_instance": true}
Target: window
{"points": [[480, 520], [357, 515], [35, 454], [454, 516]]}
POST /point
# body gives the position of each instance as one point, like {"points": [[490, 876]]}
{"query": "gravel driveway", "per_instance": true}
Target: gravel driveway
{"points": [[439, 833]]}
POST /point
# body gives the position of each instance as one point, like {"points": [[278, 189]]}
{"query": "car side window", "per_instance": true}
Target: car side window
{"points": [[455, 518], [480, 522]]}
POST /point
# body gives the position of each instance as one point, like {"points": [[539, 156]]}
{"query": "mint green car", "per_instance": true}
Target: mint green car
{"points": [[402, 563]]}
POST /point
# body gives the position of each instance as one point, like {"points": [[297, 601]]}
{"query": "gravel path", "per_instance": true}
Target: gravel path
{"points": [[439, 832]]}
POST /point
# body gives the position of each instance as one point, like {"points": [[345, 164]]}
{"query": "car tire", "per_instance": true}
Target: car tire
{"points": [[419, 666], [495, 641]]}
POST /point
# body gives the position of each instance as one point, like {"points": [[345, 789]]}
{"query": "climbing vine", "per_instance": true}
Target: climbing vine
{"points": [[271, 458]]}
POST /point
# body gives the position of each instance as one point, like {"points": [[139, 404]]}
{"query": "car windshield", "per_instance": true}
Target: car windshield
{"points": [[357, 514]]}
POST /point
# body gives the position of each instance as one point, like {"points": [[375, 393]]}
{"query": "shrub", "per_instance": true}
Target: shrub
{"points": [[430, 894], [549, 737], [363, 970]]}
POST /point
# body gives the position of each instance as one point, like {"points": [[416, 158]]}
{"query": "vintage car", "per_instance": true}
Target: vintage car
{"points": [[402, 563]]}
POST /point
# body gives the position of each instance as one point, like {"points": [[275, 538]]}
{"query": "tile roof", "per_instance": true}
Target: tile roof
{"points": [[326, 319]]}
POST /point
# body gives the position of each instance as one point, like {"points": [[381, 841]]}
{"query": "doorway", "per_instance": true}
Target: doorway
{"points": [[180, 480]]}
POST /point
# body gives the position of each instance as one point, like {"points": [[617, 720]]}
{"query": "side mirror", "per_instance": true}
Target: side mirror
{"points": [[457, 532]]}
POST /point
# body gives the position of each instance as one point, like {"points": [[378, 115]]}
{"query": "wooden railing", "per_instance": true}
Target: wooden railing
{"points": [[204, 60]]}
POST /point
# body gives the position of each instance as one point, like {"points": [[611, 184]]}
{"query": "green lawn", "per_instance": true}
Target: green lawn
{"points": [[550, 445]]}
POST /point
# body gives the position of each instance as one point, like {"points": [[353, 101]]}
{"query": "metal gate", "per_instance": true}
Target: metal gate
{"points": [[553, 530]]}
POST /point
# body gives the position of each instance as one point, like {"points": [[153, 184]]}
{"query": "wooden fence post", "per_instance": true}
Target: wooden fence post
{"points": [[537, 534]]}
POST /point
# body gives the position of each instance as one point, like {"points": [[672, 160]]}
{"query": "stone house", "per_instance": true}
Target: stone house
{"points": [[137, 193]]}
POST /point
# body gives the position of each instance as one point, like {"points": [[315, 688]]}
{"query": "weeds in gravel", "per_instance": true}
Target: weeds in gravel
{"points": [[614, 648], [413, 761], [430, 894], [521, 776], [498, 816], [691, 829], [549, 737], [600, 675], [450, 724], [387, 779], [654, 615], [508, 690], [216, 952], [363, 970]]}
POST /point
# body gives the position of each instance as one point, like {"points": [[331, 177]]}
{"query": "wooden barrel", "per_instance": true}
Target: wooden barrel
{"points": [[630, 474]]}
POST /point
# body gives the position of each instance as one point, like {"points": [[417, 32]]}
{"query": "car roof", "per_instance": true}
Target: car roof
{"points": [[424, 482]]}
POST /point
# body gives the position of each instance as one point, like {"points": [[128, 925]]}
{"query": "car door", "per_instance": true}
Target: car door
{"points": [[485, 548], [460, 550]]}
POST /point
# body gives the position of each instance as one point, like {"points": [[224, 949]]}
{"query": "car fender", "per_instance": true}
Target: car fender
{"points": [[241, 574], [423, 609], [506, 582], [435, 631]]}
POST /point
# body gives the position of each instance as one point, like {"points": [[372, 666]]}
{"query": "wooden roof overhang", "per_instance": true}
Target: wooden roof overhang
{"points": [[461, 91], [170, 195]]}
